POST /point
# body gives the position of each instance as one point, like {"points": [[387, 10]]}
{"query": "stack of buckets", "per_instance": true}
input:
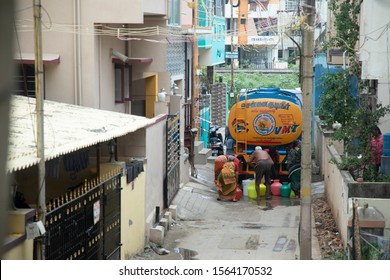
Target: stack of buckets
{"points": [[250, 189], [385, 161]]}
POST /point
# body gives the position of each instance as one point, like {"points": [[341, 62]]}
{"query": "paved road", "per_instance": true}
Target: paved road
{"points": [[207, 229]]}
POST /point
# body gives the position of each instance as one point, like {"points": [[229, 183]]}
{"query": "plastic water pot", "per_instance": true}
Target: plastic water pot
{"points": [[245, 184], [238, 193], [262, 189], [252, 190], [275, 187], [285, 190]]}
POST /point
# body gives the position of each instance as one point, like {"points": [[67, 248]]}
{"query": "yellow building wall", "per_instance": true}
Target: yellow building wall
{"points": [[151, 89], [133, 216], [132, 212], [23, 251], [16, 228]]}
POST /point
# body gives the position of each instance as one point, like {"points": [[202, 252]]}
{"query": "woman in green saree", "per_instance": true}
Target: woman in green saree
{"points": [[227, 182]]}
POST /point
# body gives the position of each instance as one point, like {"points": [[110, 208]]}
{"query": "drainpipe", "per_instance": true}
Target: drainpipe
{"points": [[74, 54], [128, 103], [99, 38], [77, 52]]}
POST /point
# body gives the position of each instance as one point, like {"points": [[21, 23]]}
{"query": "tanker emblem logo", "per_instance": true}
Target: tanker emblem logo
{"points": [[264, 124]]}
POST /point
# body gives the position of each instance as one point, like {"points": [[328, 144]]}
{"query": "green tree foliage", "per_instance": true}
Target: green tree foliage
{"points": [[346, 14], [337, 104], [244, 80], [257, 80]]}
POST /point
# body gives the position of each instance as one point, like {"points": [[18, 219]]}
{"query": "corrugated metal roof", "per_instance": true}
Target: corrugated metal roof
{"points": [[67, 128]]}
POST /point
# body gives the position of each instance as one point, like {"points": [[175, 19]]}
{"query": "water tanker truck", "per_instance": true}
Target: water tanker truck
{"points": [[266, 117]]}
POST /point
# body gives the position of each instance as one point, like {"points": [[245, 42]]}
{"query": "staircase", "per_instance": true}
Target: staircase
{"points": [[201, 153]]}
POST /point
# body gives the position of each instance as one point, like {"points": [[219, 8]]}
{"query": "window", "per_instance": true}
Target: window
{"points": [[218, 32], [291, 5], [123, 82], [232, 29], [174, 18], [25, 80], [219, 6], [280, 54]]}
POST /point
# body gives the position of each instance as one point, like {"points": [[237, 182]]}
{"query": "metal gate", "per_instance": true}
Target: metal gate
{"points": [[112, 218], [85, 222], [172, 177]]}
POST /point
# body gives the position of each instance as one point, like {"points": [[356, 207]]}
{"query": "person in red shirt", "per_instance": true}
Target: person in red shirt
{"points": [[376, 148]]}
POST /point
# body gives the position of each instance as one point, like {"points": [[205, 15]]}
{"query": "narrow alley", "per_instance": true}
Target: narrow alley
{"points": [[207, 229]]}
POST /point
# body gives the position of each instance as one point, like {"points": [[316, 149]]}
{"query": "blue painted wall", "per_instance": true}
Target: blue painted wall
{"points": [[204, 125], [218, 44], [205, 13], [216, 40]]}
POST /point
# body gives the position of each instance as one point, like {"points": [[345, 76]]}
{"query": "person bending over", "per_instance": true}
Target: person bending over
{"points": [[262, 164]]}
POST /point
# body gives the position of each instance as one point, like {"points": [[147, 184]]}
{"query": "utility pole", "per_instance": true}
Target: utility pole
{"points": [[195, 62], [307, 87], [231, 51], [41, 199], [195, 86]]}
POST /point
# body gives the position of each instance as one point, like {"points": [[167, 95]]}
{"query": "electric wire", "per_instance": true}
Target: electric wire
{"points": [[133, 33]]}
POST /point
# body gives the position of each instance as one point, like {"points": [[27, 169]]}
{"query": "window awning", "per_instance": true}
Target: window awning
{"points": [[132, 60], [120, 58], [29, 58]]}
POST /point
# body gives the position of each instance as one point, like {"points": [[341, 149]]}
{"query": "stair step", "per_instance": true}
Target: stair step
{"points": [[201, 157], [198, 146], [211, 159]]}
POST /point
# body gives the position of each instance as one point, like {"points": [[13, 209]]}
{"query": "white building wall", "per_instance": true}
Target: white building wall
{"points": [[113, 11], [85, 74], [156, 7], [154, 49], [155, 143], [185, 14], [375, 50], [374, 40]]}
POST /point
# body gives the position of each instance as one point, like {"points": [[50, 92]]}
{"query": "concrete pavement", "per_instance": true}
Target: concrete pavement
{"points": [[207, 229]]}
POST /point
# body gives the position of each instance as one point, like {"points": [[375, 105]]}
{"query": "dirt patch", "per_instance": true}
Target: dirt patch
{"points": [[327, 232]]}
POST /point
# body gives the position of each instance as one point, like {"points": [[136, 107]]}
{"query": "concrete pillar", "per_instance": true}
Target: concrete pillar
{"points": [[173, 210], [157, 235], [165, 223], [168, 216]]}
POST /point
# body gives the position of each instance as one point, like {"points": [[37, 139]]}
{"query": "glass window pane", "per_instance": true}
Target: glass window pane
{"points": [[118, 84], [127, 83]]}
